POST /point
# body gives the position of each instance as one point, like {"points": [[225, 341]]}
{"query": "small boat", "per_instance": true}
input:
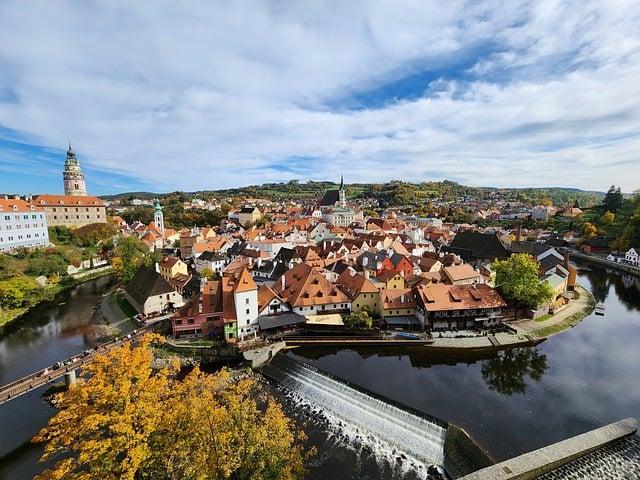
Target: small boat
{"points": [[600, 309]]}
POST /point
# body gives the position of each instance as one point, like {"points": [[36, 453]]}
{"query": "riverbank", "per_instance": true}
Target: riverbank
{"points": [[567, 318], [11, 315], [606, 263]]}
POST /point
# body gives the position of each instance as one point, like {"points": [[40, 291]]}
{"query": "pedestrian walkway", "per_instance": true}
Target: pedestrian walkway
{"points": [[533, 327]]}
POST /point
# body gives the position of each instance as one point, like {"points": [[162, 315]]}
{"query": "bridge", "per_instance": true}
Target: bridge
{"points": [[69, 366]]}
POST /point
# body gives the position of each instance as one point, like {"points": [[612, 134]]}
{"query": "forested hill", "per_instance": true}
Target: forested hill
{"points": [[395, 193]]}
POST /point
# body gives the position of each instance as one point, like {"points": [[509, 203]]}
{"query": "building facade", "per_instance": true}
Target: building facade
{"points": [[21, 225], [71, 210]]}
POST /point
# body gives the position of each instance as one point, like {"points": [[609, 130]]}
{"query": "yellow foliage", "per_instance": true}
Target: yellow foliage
{"points": [[128, 421]]}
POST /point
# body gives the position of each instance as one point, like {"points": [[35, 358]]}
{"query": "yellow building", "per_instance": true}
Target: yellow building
{"points": [[391, 280], [71, 210], [362, 292], [170, 267], [249, 216]]}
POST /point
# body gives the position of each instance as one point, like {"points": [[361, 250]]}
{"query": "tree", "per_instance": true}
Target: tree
{"points": [[589, 230], [130, 253], [608, 217], [127, 421], [207, 273], [360, 319], [18, 291], [613, 199], [517, 278], [94, 233]]}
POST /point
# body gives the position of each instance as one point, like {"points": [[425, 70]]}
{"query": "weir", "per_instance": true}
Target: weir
{"points": [[417, 435]]}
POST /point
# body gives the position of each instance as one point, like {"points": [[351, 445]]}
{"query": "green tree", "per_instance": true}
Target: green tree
{"points": [[130, 253], [613, 199], [518, 280], [19, 291], [608, 217], [360, 319]]}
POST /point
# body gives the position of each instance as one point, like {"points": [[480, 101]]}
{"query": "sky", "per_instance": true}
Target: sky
{"points": [[163, 95]]}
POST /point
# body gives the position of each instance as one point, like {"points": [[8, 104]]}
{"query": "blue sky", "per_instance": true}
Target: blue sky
{"points": [[158, 96]]}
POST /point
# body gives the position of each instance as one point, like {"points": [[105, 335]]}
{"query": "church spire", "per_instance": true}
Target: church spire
{"points": [[341, 181]]}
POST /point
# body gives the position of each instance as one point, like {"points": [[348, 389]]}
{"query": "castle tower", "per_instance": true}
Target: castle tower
{"points": [[158, 217], [342, 194], [74, 183]]}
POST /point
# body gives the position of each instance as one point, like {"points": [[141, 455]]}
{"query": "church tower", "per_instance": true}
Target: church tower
{"points": [[342, 194], [158, 217], [73, 177]]}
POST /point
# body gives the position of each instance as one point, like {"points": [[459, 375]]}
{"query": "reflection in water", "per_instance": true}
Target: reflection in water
{"points": [[507, 372]]}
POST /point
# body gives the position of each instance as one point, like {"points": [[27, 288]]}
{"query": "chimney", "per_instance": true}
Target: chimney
{"points": [[352, 272], [365, 260], [157, 267], [565, 262], [366, 274], [402, 273], [402, 298], [282, 282]]}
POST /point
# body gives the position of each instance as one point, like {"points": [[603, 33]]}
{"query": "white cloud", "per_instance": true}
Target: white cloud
{"points": [[210, 94]]}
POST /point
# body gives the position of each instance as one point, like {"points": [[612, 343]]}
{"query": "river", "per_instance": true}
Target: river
{"points": [[50, 332], [510, 403]]}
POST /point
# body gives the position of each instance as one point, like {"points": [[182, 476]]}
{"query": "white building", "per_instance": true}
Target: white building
{"points": [[341, 217], [633, 256], [212, 260], [21, 225]]}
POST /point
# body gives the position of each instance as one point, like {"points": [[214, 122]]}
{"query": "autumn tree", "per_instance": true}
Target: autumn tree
{"points": [[589, 230], [128, 422], [518, 279], [207, 273]]}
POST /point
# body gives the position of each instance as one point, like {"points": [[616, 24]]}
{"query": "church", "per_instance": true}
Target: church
{"points": [[334, 208], [75, 208]]}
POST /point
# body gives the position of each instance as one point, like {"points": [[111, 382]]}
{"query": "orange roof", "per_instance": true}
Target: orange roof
{"points": [[353, 284], [244, 282], [460, 272], [16, 205], [439, 297], [265, 295], [303, 285], [397, 298], [68, 200]]}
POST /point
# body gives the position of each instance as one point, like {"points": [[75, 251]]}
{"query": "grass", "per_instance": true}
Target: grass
{"points": [[544, 317], [567, 322], [125, 306]]}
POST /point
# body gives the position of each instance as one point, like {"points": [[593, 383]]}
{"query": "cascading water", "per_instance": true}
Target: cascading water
{"points": [[361, 415]]}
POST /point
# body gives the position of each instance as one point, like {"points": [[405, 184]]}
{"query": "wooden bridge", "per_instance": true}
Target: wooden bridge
{"points": [[54, 372]]}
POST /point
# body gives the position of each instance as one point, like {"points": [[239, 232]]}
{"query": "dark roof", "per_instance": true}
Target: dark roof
{"points": [[267, 322], [285, 254], [210, 256], [330, 198], [532, 248], [247, 209], [556, 242], [405, 320], [549, 262], [475, 246], [147, 283], [236, 249]]}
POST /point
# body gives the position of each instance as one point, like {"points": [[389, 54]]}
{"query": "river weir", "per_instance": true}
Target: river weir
{"points": [[363, 418]]}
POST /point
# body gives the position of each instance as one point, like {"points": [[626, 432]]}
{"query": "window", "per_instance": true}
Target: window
{"points": [[247, 311], [246, 301], [178, 322], [190, 321], [248, 322]]}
